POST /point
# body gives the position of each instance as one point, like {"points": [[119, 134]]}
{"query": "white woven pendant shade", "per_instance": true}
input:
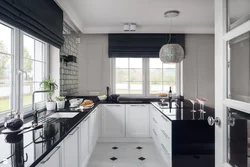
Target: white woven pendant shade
{"points": [[171, 53]]}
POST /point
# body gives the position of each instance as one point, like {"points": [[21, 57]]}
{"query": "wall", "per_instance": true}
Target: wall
{"points": [[69, 72], [94, 64], [198, 68]]}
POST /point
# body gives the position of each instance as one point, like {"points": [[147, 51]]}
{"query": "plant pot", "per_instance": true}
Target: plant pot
{"points": [[51, 105], [60, 104]]}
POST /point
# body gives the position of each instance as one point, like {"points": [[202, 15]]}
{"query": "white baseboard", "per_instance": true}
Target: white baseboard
{"points": [[129, 140]]}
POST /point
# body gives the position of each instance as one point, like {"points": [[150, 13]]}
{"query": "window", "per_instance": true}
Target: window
{"points": [[128, 76], [161, 76], [6, 72], [34, 65], [29, 56], [143, 76]]}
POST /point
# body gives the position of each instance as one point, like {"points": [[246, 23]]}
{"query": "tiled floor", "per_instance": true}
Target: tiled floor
{"points": [[125, 155]]}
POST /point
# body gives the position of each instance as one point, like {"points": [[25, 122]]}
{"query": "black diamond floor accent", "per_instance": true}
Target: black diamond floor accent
{"points": [[113, 158], [114, 148], [139, 148], [142, 158]]}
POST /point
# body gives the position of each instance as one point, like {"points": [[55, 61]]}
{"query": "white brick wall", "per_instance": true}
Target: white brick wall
{"points": [[69, 71]]}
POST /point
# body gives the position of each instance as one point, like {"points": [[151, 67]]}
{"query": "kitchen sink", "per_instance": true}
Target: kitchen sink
{"points": [[63, 115]]}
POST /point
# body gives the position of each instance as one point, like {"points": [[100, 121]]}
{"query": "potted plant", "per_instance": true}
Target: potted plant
{"points": [[49, 84], [60, 101]]}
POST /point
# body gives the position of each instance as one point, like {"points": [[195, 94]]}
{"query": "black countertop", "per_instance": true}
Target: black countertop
{"points": [[30, 148], [180, 113]]}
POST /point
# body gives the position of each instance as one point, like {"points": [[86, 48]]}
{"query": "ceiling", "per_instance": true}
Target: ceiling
{"points": [[108, 16]]}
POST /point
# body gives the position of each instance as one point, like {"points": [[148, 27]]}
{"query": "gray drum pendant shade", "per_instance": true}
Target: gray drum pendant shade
{"points": [[171, 53]]}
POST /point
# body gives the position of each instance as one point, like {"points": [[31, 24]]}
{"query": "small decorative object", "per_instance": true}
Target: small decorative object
{"points": [[14, 124], [102, 98], [162, 97], [60, 101], [49, 84], [193, 101], [202, 101], [171, 53]]}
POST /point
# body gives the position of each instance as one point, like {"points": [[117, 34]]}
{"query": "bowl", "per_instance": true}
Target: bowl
{"points": [[102, 98]]}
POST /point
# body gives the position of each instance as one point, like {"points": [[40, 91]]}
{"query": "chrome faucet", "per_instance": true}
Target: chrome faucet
{"points": [[35, 122]]}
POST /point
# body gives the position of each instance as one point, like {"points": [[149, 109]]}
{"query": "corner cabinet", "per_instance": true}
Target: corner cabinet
{"points": [[137, 120], [113, 120], [53, 159]]}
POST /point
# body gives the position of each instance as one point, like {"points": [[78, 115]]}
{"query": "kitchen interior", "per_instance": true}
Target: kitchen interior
{"points": [[112, 84]]}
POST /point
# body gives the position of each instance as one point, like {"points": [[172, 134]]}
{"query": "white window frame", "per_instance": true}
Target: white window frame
{"points": [[39, 105], [17, 77], [13, 98], [145, 79]]}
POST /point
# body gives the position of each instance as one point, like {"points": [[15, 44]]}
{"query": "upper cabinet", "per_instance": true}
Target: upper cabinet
{"points": [[137, 120], [113, 120]]}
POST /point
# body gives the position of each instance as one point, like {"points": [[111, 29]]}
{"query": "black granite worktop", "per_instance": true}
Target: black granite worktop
{"points": [[31, 147]]}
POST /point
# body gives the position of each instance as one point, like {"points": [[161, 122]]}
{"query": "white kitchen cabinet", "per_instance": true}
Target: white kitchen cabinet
{"points": [[113, 120], [54, 158], [92, 130], [84, 141], [71, 149], [137, 120]]}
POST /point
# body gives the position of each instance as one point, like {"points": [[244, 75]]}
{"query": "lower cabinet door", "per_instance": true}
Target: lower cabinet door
{"points": [[137, 120], [92, 134], [71, 149], [84, 142], [53, 159]]}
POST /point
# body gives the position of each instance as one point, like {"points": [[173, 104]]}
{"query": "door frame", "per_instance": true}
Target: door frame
{"points": [[222, 102]]}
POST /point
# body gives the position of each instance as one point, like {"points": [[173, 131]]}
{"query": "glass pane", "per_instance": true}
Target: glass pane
{"points": [[28, 66], [39, 71], [5, 94], [122, 88], [121, 75], [238, 141], [39, 50], [155, 75], [28, 47], [121, 62], [135, 88], [239, 69], [169, 76], [135, 62], [27, 93], [155, 63], [155, 87], [5, 39], [239, 12], [170, 65], [39, 96], [135, 75], [5, 68]]}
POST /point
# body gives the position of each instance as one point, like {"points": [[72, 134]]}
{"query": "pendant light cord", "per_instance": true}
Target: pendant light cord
{"points": [[170, 30]]}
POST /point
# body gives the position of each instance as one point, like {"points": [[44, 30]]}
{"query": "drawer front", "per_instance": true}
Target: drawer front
{"points": [[166, 154], [165, 124]]}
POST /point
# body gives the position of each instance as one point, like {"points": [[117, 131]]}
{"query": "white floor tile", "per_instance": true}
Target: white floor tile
{"points": [[127, 155]]}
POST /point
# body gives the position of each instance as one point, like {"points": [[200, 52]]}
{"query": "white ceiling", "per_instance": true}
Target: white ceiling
{"points": [[108, 16]]}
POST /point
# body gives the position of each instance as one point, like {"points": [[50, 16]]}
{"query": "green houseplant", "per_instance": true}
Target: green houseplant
{"points": [[60, 101], [49, 84]]}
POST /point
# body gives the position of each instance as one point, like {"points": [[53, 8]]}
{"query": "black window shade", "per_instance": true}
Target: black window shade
{"points": [[40, 18], [141, 45]]}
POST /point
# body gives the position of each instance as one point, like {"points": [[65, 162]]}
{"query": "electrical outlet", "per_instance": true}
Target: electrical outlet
{"points": [[94, 93]]}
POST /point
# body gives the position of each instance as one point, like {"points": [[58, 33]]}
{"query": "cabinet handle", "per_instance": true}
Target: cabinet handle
{"points": [[154, 132], [114, 105], [165, 118], [165, 134], [57, 148], [155, 120], [164, 148], [74, 131]]}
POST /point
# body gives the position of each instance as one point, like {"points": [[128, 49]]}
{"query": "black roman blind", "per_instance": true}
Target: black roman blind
{"points": [[40, 18], [140, 45]]}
